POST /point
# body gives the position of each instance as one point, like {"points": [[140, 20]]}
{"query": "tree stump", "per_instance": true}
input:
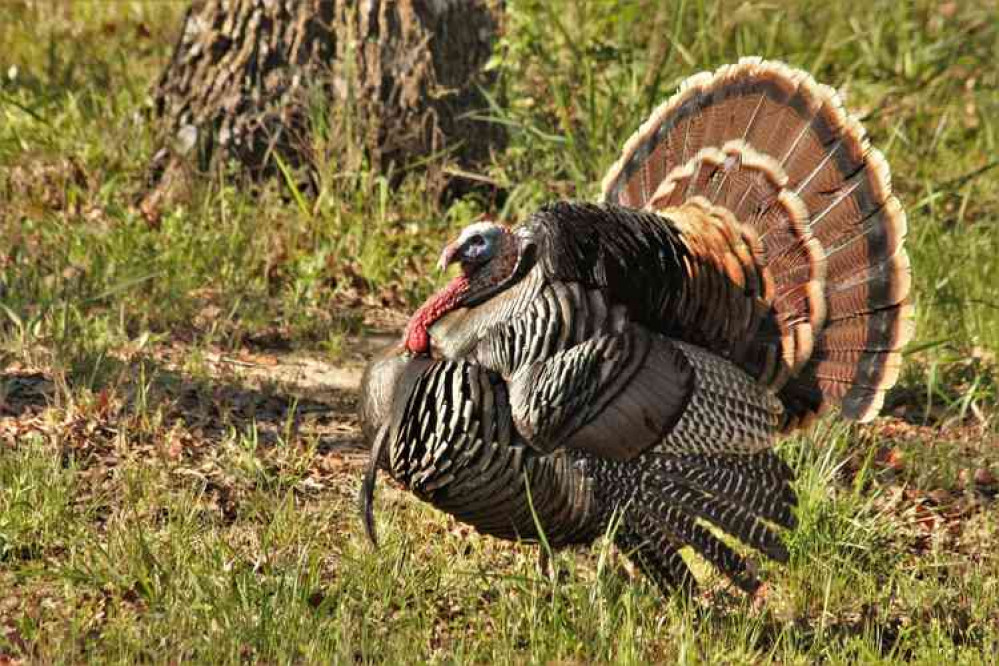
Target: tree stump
{"points": [[386, 82]]}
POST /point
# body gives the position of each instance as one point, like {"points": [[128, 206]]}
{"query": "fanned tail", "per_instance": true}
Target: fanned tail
{"points": [[760, 160]]}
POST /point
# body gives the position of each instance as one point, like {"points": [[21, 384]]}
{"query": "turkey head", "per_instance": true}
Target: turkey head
{"points": [[492, 257]]}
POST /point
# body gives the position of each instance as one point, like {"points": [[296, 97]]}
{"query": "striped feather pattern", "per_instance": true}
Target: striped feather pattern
{"points": [[683, 528], [654, 553], [759, 483], [453, 444]]}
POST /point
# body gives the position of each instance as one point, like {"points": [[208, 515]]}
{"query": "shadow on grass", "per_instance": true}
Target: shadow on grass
{"points": [[275, 410], [23, 393], [208, 406]]}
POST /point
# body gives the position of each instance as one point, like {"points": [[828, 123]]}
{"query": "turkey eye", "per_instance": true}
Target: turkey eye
{"points": [[476, 241]]}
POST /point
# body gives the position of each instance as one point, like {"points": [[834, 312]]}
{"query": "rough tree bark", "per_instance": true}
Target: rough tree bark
{"points": [[398, 78]]}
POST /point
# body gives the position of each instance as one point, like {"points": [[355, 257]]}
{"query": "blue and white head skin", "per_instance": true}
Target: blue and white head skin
{"points": [[489, 254], [477, 244]]}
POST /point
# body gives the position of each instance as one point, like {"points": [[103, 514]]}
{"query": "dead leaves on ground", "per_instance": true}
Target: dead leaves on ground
{"points": [[936, 508]]}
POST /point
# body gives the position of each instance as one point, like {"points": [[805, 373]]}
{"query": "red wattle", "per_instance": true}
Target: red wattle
{"points": [[435, 307]]}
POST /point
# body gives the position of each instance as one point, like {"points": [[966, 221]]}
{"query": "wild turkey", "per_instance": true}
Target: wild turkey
{"points": [[636, 357]]}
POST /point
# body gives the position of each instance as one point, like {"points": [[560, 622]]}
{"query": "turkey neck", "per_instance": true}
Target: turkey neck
{"points": [[456, 333], [447, 299]]}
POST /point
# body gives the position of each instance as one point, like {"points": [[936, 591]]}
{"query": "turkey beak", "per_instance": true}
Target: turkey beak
{"points": [[448, 255]]}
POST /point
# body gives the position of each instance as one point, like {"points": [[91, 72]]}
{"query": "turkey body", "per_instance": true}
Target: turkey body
{"points": [[631, 362]]}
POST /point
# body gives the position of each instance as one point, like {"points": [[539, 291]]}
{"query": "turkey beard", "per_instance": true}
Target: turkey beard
{"points": [[367, 494]]}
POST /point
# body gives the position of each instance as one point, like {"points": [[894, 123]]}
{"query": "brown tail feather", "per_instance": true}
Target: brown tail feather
{"points": [[765, 145]]}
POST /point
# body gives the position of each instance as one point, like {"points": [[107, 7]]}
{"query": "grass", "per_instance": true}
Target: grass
{"points": [[172, 487]]}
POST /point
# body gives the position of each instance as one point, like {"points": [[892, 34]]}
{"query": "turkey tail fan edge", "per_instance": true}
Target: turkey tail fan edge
{"points": [[778, 152]]}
